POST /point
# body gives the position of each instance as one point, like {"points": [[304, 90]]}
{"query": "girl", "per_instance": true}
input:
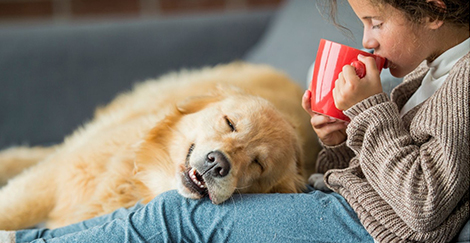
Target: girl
{"points": [[399, 170], [403, 163]]}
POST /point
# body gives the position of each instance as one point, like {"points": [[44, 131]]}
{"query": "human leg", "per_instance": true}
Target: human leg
{"points": [[32, 234], [305, 217]]}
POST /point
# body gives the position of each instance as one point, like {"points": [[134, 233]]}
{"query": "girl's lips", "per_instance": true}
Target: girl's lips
{"points": [[390, 65], [386, 64]]}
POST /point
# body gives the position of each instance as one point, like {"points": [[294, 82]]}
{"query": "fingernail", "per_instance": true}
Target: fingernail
{"points": [[306, 93]]}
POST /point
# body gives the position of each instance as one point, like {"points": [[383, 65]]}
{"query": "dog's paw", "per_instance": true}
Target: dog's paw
{"points": [[7, 236], [316, 180]]}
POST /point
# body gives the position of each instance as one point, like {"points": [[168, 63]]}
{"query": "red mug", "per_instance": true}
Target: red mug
{"points": [[331, 57]]}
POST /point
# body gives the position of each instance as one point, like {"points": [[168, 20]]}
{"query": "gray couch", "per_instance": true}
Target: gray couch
{"points": [[52, 76]]}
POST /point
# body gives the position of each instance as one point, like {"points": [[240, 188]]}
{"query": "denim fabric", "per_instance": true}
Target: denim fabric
{"points": [[306, 217], [30, 235]]}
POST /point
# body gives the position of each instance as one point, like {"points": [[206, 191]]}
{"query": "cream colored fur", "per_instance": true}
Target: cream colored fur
{"points": [[138, 146]]}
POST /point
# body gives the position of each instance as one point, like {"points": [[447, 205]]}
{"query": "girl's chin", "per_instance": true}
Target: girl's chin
{"points": [[396, 71]]}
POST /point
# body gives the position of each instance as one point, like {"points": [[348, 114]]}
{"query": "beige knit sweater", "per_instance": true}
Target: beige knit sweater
{"points": [[407, 178]]}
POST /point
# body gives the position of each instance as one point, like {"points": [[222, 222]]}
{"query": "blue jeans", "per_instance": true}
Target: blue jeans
{"points": [[306, 217]]}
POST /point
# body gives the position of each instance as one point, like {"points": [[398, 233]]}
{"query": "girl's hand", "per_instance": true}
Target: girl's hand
{"points": [[350, 89], [329, 130]]}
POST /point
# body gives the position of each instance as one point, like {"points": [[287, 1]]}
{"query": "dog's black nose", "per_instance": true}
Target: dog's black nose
{"points": [[217, 164]]}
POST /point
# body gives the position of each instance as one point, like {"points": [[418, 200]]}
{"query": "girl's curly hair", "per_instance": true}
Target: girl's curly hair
{"points": [[454, 12]]}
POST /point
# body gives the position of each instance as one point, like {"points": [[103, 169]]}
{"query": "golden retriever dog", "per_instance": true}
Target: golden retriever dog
{"points": [[235, 128]]}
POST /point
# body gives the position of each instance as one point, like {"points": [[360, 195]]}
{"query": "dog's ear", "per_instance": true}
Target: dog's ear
{"points": [[293, 182], [196, 103]]}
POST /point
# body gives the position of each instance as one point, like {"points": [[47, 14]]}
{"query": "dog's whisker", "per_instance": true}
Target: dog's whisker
{"points": [[239, 193], [244, 187]]}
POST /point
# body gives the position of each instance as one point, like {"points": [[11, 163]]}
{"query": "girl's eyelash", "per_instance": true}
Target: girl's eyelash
{"points": [[376, 26]]}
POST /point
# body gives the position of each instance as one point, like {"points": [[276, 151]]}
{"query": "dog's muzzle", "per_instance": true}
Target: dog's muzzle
{"points": [[215, 165]]}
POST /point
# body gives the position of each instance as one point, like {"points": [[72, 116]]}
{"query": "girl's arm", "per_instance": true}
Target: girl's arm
{"points": [[422, 173], [334, 157]]}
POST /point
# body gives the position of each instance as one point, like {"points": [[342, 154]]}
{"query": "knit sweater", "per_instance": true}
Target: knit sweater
{"points": [[407, 178]]}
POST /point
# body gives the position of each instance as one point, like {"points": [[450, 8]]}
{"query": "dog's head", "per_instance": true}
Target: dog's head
{"points": [[231, 142]]}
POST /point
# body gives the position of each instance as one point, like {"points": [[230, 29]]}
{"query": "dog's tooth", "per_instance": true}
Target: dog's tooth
{"points": [[193, 175], [194, 179]]}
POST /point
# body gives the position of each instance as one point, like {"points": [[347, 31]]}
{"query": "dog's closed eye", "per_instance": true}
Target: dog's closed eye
{"points": [[230, 124], [256, 162]]}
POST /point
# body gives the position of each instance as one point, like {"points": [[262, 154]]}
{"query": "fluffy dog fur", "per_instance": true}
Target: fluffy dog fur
{"points": [[231, 128]]}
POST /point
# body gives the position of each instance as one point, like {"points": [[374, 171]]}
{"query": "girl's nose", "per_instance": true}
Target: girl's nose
{"points": [[368, 41]]}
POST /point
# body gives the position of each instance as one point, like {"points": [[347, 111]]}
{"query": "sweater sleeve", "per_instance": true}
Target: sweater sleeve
{"points": [[422, 173], [333, 157]]}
